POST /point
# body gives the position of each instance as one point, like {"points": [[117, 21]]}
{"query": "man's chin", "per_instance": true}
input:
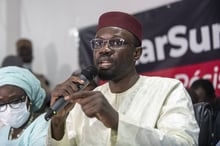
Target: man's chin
{"points": [[103, 75]]}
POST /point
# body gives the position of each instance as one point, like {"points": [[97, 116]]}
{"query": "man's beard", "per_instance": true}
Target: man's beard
{"points": [[105, 75]]}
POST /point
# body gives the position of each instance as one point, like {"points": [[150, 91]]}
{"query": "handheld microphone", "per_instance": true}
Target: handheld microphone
{"points": [[87, 75]]}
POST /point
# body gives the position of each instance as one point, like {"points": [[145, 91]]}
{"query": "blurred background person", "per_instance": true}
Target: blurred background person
{"points": [[206, 106], [203, 90], [24, 50], [12, 60]]}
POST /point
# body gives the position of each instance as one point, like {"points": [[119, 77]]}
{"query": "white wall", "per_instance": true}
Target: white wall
{"points": [[52, 26], [3, 29]]}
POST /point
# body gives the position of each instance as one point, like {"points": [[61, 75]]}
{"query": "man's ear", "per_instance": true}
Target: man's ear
{"points": [[137, 53]]}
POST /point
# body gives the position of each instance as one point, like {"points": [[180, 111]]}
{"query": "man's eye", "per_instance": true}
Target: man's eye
{"points": [[115, 42], [98, 43]]}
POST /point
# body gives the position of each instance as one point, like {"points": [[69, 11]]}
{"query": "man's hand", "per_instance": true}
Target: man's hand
{"points": [[64, 89], [94, 104]]}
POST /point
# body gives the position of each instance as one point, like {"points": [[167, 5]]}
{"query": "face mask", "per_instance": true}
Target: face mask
{"points": [[15, 117]]}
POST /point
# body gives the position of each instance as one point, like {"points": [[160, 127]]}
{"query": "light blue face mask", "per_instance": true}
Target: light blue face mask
{"points": [[15, 117]]}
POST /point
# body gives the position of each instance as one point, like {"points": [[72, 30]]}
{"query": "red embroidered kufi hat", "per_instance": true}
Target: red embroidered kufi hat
{"points": [[122, 20]]}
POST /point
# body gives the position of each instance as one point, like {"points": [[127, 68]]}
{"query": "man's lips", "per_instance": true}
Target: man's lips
{"points": [[104, 64]]}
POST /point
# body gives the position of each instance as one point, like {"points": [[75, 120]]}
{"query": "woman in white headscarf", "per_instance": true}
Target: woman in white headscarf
{"points": [[21, 96]]}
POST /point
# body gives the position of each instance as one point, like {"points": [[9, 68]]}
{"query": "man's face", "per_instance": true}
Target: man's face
{"points": [[114, 63]]}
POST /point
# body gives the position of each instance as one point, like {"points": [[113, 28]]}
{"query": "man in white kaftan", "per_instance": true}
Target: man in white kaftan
{"points": [[154, 107], [129, 109]]}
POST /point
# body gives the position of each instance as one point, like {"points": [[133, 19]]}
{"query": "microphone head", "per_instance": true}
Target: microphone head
{"points": [[90, 72]]}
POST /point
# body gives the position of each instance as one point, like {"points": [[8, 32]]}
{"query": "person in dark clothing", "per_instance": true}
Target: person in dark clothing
{"points": [[207, 107]]}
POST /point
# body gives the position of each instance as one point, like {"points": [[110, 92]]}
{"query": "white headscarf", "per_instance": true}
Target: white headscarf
{"points": [[25, 80]]}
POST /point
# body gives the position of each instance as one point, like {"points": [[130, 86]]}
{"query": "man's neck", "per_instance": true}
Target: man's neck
{"points": [[123, 84]]}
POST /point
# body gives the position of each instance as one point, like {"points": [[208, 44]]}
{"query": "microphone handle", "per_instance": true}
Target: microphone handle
{"points": [[61, 103], [56, 107]]}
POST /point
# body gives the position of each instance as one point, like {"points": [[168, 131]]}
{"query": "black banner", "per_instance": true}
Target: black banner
{"points": [[178, 40]]}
